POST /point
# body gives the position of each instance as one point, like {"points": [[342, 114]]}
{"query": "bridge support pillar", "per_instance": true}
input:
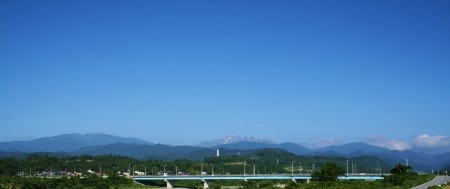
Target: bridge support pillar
{"points": [[205, 184], [169, 184], [307, 181], [293, 180]]}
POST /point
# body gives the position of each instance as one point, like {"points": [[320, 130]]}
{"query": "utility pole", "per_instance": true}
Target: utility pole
{"points": [[201, 170], [165, 169], [176, 170], [353, 168], [254, 172], [347, 167], [300, 167], [292, 168], [378, 167]]}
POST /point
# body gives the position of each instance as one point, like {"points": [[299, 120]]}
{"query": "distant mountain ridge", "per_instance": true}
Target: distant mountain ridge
{"points": [[158, 151], [103, 144], [352, 147], [234, 139], [66, 143], [244, 145], [422, 162]]}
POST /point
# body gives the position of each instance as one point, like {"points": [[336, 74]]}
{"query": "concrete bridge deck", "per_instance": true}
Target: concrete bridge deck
{"points": [[169, 179], [250, 177]]}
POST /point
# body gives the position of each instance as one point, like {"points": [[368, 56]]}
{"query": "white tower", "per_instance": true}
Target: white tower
{"points": [[217, 153]]}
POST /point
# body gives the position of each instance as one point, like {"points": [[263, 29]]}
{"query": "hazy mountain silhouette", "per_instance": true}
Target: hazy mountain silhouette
{"points": [[234, 139], [159, 151], [66, 143], [243, 145], [103, 144], [346, 149]]}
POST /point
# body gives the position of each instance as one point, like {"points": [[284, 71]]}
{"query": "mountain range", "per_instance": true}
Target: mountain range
{"points": [[102, 144], [66, 143], [234, 139]]}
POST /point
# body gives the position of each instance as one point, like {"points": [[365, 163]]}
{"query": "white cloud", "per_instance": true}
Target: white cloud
{"points": [[383, 141], [427, 141], [398, 145]]}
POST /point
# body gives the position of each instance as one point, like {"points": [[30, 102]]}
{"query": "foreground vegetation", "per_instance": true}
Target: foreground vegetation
{"points": [[122, 182], [110, 172], [266, 161], [90, 181]]}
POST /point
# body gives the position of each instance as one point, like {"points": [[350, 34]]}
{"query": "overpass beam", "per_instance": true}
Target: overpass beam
{"points": [[169, 184], [205, 184]]}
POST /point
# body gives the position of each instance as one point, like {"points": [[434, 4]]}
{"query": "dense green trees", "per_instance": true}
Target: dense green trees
{"points": [[9, 166], [265, 161], [329, 172], [15, 173], [62, 182], [399, 174]]}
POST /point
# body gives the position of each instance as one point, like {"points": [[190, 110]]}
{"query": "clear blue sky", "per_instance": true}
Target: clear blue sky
{"points": [[181, 72]]}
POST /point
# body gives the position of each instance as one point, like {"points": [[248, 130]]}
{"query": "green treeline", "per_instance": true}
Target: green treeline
{"points": [[109, 171], [266, 161], [91, 180]]}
